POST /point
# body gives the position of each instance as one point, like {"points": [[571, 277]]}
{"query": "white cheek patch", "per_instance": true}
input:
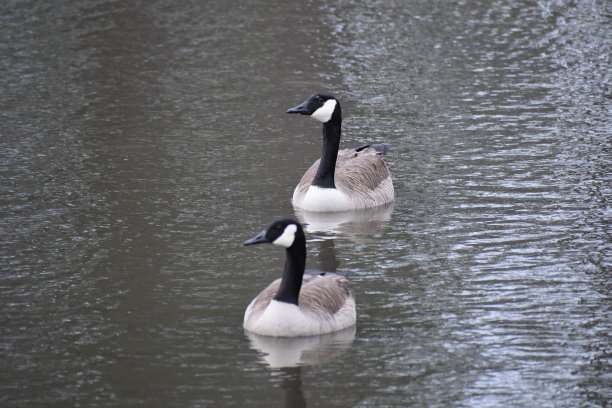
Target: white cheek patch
{"points": [[325, 112], [288, 236]]}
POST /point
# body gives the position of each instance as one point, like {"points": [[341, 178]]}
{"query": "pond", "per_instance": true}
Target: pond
{"points": [[143, 142]]}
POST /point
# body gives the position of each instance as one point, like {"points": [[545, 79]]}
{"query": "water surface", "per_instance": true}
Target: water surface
{"points": [[141, 144]]}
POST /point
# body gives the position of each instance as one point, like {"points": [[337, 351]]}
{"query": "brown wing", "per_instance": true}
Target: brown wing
{"points": [[325, 295], [360, 172]]}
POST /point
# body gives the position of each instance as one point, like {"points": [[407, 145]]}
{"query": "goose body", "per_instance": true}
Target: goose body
{"points": [[341, 180], [298, 304]]}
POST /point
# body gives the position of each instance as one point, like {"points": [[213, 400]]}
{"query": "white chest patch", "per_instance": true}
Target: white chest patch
{"points": [[282, 319], [324, 199], [287, 237], [325, 112]]}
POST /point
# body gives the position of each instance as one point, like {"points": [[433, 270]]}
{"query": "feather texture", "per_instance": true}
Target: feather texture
{"points": [[361, 174], [326, 304]]}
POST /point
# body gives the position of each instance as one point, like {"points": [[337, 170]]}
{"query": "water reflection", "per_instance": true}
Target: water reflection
{"points": [[326, 255], [354, 224], [291, 383], [279, 352]]}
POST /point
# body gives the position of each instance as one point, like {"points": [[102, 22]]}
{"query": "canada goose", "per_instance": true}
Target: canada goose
{"points": [[298, 304], [354, 178]]}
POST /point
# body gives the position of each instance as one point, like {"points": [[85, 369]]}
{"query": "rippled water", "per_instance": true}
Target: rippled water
{"points": [[141, 144]]}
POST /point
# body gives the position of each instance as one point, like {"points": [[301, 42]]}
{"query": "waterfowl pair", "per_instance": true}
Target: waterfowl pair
{"points": [[301, 304], [341, 180]]}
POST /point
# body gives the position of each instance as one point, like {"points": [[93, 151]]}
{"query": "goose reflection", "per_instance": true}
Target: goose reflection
{"points": [[354, 224], [282, 352], [291, 383], [326, 257]]}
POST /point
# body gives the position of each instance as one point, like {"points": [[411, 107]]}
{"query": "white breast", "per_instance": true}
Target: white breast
{"points": [[323, 199], [282, 319]]}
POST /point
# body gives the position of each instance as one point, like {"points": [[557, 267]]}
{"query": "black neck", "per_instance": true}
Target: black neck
{"points": [[295, 262], [331, 143]]}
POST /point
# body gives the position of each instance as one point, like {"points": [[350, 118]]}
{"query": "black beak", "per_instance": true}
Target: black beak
{"points": [[258, 239], [301, 109]]}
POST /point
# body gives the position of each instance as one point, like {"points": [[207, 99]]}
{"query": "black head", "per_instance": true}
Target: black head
{"points": [[281, 232], [321, 107]]}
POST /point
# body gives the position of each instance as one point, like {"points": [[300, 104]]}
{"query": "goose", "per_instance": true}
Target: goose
{"points": [[349, 179], [298, 304]]}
